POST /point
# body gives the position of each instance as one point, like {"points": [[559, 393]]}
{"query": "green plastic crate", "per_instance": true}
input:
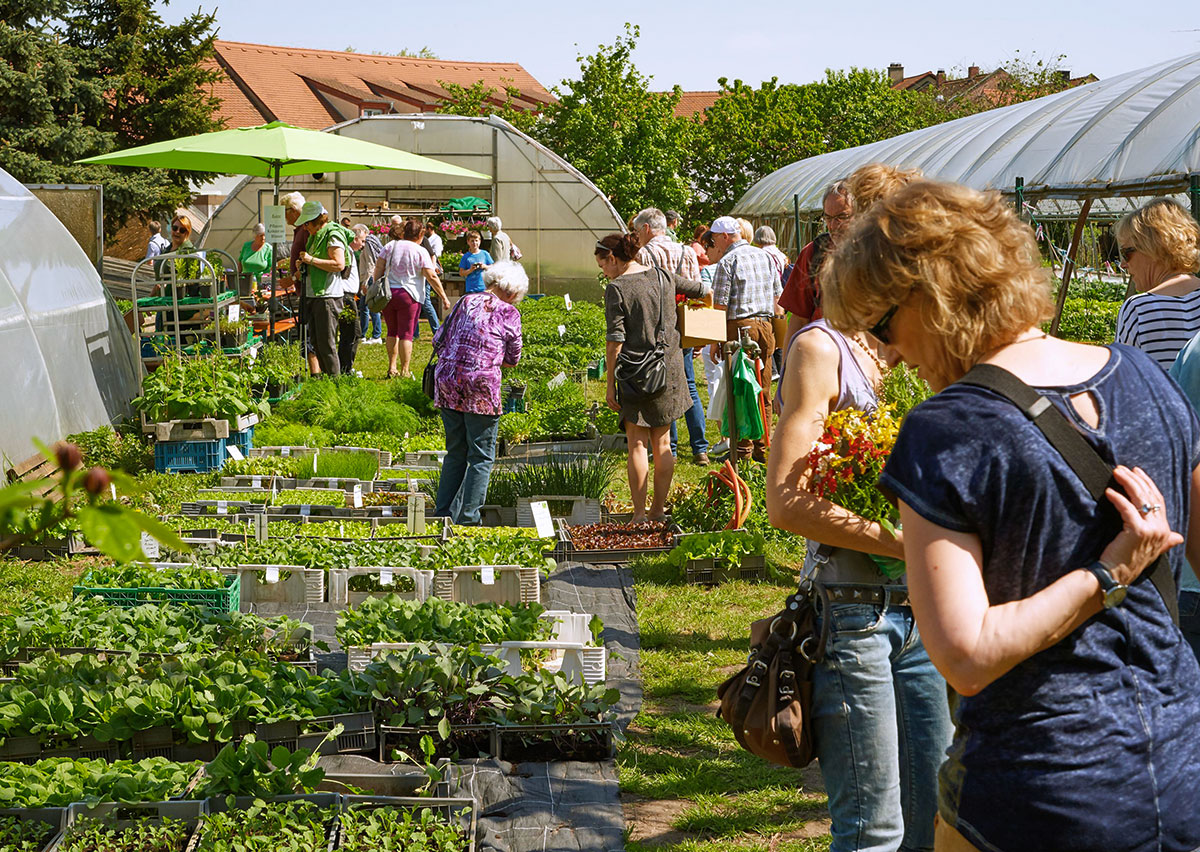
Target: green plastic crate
{"points": [[221, 600]]}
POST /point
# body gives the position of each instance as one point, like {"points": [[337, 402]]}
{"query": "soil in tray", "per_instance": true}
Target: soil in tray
{"points": [[620, 536], [517, 747], [145, 835]]}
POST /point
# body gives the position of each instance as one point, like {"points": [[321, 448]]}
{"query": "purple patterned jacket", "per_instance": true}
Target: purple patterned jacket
{"points": [[483, 333]]}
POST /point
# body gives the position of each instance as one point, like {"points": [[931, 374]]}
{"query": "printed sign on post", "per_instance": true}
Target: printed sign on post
{"points": [[256, 482], [487, 575], [275, 222], [556, 381], [305, 510], [285, 451], [387, 511], [541, 518]]}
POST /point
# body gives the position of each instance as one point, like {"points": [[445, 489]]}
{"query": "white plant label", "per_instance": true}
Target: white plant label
{"points": [[112, 487], [285, 451], [387, 511], [256, 482], [272, 573], [567, 300], [305, 510], [385, 576], [541, 518], [222, 507], [562, 329], [557, 381], [234, 452], [358, 503], [487, 575], [253, 353], [235, 312], [150, 548]]}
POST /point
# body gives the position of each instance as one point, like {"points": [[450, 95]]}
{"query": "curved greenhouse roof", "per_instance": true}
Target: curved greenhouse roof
{"points": [[1135, 134], [68, 356]]}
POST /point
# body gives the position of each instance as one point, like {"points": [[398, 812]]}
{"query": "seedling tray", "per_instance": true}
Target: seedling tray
{"points": [[583, 510], [358, 737], [123, 816], [565, 550], [542, 448], [54, 818], [258, 482], [710, 572], [341, 595], [221, 508], [460, 811], [514, 743], [222, 600], [55, 548], [384, 456], [513, 584], [222, 804]]}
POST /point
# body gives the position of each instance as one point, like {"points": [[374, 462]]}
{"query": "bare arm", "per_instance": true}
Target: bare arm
{"points": [[436, 283], [811, 389], [612, 349], [971, 642]]}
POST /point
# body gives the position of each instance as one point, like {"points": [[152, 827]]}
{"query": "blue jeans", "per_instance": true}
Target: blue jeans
{"points": [[881, 726], [429, 313], [470, 452], [1189, 617], [694, 416], [368, 319]]}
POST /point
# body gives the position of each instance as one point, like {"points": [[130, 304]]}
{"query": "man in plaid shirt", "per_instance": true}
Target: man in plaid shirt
{"points": [[746, 283], [660, 251]]}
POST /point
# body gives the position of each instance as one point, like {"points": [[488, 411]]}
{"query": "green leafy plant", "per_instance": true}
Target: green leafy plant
{"points": [[367, 829], [310, 497], [58, 781], [904, 390], [492, 546], [568, 475], [729, 546], [198, 387], [278, 432], [134, 576], [1089, 320], [349, 404], [393, 619], [285, 466], [252, 768], [148, 834], [296, 826], [339, 464], [124, 450]]}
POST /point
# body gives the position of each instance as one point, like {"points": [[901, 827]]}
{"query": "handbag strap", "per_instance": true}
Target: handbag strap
{"points": [[660, 330], [1081, 456]]}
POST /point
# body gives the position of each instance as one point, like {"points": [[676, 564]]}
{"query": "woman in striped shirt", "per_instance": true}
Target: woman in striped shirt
{"points": [[1160, 247]]}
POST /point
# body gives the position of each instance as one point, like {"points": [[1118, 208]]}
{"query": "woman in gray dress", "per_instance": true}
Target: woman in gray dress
{"points": [[638, 301]]}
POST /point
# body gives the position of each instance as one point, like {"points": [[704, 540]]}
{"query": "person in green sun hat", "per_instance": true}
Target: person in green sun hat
{"points": [[325, 257]]}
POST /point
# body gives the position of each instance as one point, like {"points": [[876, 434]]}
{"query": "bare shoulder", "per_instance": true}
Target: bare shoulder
{"points": [[814, 347]]}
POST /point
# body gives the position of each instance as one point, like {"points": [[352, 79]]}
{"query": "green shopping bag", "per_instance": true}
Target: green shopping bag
{"points": [[745, 389]]}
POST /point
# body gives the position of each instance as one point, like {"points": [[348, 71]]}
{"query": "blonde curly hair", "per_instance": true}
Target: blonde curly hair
{"points": [[971, 264], [867, 184], [1165, 231]]}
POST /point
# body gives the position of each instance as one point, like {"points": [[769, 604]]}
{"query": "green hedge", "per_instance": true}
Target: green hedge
{"points": [[1089, 320]]}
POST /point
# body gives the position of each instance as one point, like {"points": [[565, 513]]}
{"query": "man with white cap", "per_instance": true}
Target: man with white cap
{"points": [[325, 255], [746, 283]]}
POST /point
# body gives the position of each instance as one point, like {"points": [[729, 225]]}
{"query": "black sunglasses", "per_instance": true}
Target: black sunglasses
{"points": [[1126, 252], [880, 329], [178, 230]]}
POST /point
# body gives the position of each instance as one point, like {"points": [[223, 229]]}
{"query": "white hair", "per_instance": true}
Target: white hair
{"points": [[765, 235], [493, 223], [509, 276], [653, 217], [292, 200], [398, 220], [360, 229], [259, 229]]}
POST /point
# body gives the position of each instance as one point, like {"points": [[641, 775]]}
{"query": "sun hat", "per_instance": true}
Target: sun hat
{"points": [[720, 225], [313, 209]]}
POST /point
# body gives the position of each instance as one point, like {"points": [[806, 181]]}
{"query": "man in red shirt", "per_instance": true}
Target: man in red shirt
{"points": [[801, 296]]}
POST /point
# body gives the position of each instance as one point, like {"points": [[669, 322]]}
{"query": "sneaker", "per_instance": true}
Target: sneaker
{"points": [[371, 341], [700, 458]]}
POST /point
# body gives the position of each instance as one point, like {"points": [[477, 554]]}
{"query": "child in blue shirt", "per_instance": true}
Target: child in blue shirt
{"points": [[473, 263]]}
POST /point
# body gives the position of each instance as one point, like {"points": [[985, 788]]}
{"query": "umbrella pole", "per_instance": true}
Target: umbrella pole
{"points": [[273, 302]]}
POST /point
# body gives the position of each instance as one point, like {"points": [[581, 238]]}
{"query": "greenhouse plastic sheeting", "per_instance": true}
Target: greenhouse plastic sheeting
{"points": [[1135, 134], [68, 357]]}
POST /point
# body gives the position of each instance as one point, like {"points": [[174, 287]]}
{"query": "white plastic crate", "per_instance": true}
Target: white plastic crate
{"points": [[513, 584], [584, 510], [339, 584], [303, 586]]}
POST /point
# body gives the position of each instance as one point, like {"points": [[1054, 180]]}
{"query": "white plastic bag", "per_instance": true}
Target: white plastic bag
{"points": [[717, 386]]}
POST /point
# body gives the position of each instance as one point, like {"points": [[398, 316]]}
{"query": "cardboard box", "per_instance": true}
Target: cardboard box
{"points": [[700, 326]]}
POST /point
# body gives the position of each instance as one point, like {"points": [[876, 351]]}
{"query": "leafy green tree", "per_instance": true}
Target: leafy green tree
{"points": [[85, 77], [481, 99], [625, 138]]}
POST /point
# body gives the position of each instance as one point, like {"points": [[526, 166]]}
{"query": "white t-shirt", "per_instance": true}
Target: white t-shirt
{"points": [[405, 262], [436, 242]]}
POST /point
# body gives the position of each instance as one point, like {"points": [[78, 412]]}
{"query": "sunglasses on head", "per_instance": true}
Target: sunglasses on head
{"points": [[880, 329]]}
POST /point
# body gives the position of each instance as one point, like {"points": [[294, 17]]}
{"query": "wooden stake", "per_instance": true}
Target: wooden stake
{"points": [[1069, 264]]}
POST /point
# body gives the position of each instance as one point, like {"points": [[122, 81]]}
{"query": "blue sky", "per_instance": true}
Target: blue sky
{"points": [[694, 44]]}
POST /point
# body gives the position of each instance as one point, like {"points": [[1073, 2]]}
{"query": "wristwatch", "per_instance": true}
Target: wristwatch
{"points": [[1114, 592]]}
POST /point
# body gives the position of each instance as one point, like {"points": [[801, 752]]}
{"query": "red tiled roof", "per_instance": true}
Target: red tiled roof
{"points": [[691, 103], [267, 83]]}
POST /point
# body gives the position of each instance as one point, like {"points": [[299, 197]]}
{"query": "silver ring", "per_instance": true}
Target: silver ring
{"points": [[1148, 509]]}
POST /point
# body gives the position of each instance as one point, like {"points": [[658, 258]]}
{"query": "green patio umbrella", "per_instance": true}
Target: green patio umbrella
{"points": [[274, 151]]}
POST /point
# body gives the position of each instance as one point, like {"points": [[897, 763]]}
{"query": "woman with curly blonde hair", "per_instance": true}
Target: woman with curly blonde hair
{"points": [[1077, 699], [1160, 247]]}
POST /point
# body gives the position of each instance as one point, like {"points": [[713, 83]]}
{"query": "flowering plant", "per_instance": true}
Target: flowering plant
{"points": [[846, 462]]}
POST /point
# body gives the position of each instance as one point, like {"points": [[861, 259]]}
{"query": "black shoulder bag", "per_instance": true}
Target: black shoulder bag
{"points": [[642, 377], [1079, 454]]}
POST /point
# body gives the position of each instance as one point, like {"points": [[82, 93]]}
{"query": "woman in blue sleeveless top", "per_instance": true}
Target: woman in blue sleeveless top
{"points": [[1078, 704], [880, 720]]}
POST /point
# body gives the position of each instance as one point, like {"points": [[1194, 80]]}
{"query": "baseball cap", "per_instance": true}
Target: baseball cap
{"points": [[720, 225], [313, 209]]}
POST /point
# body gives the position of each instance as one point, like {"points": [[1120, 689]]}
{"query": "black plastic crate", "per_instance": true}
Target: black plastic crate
{"points": [[536, 743], [53, 818], [465, 742], [565, 550], [453, 810], [710, 572], [357, 737]]}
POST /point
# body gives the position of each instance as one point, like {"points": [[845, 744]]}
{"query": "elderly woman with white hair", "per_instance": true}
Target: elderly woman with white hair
{"points": [[501, 244], [480, 337], [256, 256]]}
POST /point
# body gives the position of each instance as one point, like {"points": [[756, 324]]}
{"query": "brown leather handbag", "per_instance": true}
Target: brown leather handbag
{"points": [[769, 702]]}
